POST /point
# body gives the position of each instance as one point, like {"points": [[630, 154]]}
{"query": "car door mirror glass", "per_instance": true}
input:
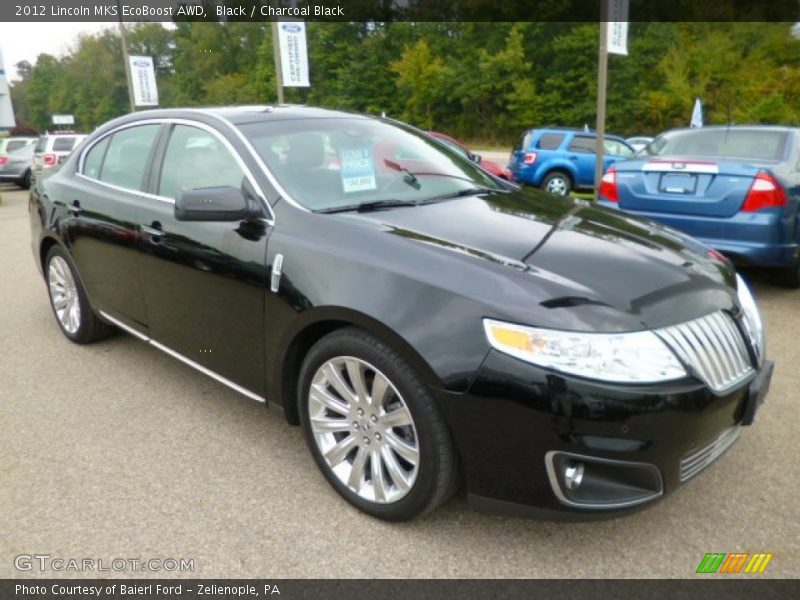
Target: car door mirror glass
{"points": [[222, 203]]}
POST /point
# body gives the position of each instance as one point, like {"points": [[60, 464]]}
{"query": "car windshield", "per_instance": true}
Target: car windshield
{"points": [[753, 144], [331, 163]]}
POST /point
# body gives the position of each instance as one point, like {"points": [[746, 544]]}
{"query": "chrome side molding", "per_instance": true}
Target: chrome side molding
{"points": [[277, 271], [227, 382]]}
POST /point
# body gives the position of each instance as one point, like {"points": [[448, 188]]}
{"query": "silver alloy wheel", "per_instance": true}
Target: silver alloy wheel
{"points": [[557, 185], [363, 429], [64, 294]]}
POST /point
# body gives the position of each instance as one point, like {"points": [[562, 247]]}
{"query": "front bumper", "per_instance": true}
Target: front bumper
{"points": [[516, 415]]}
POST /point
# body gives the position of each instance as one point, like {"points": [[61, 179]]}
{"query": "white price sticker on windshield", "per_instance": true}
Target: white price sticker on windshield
{"points": [[358, 169]]}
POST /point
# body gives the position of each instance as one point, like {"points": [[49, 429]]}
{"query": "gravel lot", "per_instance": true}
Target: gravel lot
{"points": [[116, 450]]}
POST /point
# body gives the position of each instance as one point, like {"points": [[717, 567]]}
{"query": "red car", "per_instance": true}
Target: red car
{"points": [[492, 167]]}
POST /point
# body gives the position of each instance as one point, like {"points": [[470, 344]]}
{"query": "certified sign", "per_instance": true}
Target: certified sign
{"points": [[617, 27], [294, 56], [143, 80]]}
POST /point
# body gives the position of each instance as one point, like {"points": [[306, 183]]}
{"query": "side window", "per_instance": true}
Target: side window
{"points": [[196, 159], [126, 157], [615, 148], [550, 141], [525, 141], [581, 143], [94, 159]]}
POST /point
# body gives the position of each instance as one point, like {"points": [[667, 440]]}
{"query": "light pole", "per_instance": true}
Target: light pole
{"points": [[602, 75], [127, 62], [276, 51]]}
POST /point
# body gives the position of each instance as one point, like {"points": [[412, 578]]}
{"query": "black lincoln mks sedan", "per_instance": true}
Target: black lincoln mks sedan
{"points": [[424, 322]]}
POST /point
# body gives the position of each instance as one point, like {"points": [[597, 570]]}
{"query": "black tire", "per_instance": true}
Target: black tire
{"points": [[558, 183], [89, 326], [437, 471], [25, 181], [790, 276]]}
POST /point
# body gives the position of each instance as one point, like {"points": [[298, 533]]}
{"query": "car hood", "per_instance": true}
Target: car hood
{"points": [[576, 254]]}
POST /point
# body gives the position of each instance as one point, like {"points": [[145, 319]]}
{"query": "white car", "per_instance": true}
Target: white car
{"points": [[638, 142], [10, 144], [52, 149]]}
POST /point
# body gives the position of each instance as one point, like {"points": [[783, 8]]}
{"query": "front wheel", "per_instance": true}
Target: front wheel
{"points": [[373, 427], [558, 183]]}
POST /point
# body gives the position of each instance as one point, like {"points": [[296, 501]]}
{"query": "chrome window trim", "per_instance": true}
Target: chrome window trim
{"points": [[256, 157], [227, 382], [176, 121]]}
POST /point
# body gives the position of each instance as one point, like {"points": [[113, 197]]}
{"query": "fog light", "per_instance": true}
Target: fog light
{"points": [[599, 483], [573, 474]]}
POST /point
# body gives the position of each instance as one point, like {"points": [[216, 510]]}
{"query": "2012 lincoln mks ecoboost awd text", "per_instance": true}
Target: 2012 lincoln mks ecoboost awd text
{"points": [[423, 320]]}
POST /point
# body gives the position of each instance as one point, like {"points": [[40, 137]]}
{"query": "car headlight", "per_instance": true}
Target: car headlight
{"points": [[752, 318], [636, 357]]}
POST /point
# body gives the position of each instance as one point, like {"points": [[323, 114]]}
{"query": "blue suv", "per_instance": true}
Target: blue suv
{"points": [[560, 160]]}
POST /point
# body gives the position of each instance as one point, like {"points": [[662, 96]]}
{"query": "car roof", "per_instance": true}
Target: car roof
{"points": [[754, 127], [591, 132], [239, 115]]}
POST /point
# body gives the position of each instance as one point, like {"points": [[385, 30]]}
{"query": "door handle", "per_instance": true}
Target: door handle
{"points": [[74, 208], [154, 231], [573, 157]]}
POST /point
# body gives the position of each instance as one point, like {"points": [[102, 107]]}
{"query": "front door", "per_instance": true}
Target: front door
{"points": [[204, 283]]}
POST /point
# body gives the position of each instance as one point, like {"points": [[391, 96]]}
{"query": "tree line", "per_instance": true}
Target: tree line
{"points": [[479, 81]]}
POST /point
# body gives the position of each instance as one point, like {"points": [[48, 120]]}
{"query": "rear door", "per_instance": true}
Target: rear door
{"points": [[100, 222], [581, 153], [204, 282]]}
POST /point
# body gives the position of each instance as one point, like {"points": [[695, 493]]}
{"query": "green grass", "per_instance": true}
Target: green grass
{"points": [[584, 195]]}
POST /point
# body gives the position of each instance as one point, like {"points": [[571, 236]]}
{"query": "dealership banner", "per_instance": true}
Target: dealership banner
{"points": [[143, 80], [617, 27], [294, 55]]}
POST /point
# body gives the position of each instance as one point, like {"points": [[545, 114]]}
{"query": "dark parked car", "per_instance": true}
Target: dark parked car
{"points": [[422, 320], [737, 189], [562, 160]]}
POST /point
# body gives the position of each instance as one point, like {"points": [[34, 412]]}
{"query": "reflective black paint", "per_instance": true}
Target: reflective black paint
{"points": [[422, 278]]}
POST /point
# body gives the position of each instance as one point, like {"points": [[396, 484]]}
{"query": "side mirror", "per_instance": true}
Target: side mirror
{"points": [[212, 204], [476, 158]]}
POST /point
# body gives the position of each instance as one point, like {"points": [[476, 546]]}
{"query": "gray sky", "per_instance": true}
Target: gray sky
{"points": [[25, 41]]}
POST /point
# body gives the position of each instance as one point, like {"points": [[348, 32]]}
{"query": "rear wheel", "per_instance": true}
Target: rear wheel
{"points": [[69, 302], [25, 181], [373, 427], [790, 276], [558, 183]]}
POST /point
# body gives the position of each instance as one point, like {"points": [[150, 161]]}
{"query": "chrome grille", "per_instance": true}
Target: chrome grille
{"points": [[713, 348], [697, 460]]}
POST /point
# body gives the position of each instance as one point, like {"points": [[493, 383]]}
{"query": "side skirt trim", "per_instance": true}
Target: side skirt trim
{"points": [[234, 386]]}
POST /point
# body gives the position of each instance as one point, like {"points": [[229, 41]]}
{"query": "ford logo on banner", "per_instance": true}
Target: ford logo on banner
{"points": [[291, 27], [141, 64]]}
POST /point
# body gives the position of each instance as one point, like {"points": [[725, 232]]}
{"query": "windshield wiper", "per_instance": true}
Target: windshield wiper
{"points": [[367, 206], [468, 192], [408, 176]]}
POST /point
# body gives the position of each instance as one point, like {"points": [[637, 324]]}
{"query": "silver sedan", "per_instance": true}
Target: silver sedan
{"points": [[16, 166]]}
